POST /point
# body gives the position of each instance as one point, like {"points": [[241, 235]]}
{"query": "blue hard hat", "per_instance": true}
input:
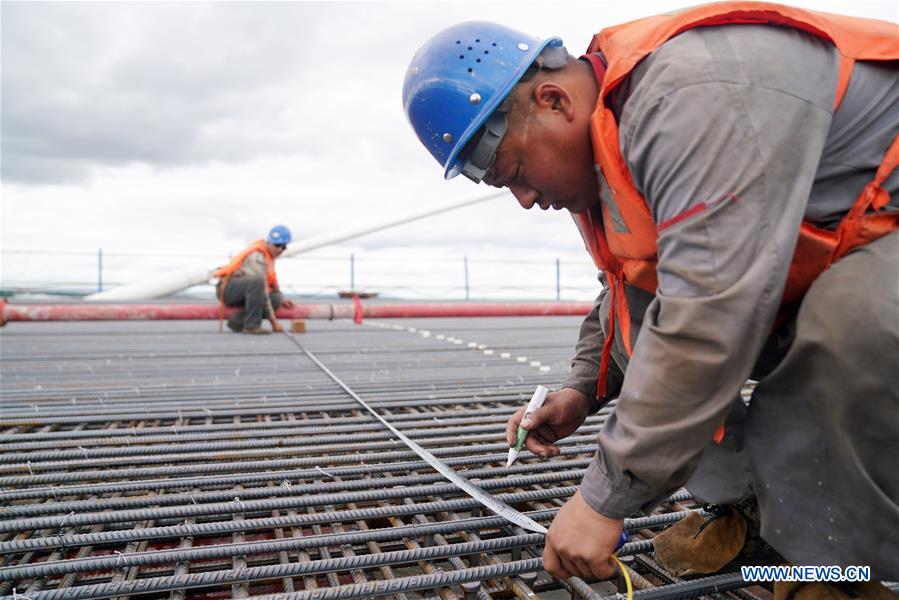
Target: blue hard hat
{"points": [[279, 235], [458, 78]]}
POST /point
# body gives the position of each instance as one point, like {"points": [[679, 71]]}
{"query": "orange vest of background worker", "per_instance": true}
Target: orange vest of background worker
{"points": [[249, 281]]}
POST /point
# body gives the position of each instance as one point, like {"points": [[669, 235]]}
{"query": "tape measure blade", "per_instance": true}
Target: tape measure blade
{"points": [[483, 497]]}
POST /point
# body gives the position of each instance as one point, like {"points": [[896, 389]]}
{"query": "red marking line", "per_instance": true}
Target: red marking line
{"points": [[695, 210]]}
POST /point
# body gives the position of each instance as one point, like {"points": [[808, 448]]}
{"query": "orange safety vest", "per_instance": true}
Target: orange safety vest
{"points": [[237, 261], [628, 254]]}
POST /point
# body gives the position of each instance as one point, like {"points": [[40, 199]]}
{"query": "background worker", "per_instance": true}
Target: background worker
{"points": [[721, 150], [249, 281]]}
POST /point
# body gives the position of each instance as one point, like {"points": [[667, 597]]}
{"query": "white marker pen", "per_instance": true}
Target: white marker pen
{"points": [[536, 402]]}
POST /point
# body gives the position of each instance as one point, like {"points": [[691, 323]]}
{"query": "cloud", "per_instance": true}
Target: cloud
{"points": [[173, 127], [88, 85]]}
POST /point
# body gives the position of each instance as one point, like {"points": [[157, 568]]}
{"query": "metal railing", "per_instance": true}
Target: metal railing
{"points": [[412, 276]]}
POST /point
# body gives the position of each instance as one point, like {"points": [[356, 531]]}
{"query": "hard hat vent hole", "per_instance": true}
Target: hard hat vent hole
{"points": [[469, 48], [486, 51], [470, 70], [478, 60], [493, 44], [460, 41], [461, 56]]}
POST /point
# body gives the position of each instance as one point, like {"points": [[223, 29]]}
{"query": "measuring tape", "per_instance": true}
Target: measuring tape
{"points": [[486, 500]]}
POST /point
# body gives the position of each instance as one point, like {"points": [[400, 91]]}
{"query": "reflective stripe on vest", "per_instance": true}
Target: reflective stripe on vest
{"points": [[235, 264], [623, 242]]}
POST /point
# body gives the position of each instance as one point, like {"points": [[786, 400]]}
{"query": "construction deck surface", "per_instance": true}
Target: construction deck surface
{"points": [[168, 460]]}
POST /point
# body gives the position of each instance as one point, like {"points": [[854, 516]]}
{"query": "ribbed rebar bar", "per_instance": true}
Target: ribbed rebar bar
{"points": [[266, 547], [471, 434], [294, 475], [216, 578], [248, 465], [683, 590], [463, 442], [270, 546], [219, 412], [299, 520], [256, 506], [572, 468], [223, 527], [417, 582], [178, 433]]}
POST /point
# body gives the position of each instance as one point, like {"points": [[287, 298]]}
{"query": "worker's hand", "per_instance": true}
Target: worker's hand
{"points": [[561, 414], [276, 326], [581, 542], [287, 303]]}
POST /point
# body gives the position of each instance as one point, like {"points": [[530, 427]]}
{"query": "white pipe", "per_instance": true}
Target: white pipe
{"points": [[341, 236], [170, 283], [157, 286]]}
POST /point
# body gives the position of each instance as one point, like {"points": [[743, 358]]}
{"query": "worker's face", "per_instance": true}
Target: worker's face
{"points": [[546, 157], [274, 250]]}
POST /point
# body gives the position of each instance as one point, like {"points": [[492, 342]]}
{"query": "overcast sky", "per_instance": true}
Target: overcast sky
{"points": [[191, 128]]}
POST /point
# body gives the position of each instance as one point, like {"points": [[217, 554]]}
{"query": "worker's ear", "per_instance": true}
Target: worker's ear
{"points": [[552, 96]]}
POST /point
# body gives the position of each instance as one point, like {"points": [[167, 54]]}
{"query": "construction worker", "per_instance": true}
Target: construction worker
{"points": [[730, 169], [249, 281]]}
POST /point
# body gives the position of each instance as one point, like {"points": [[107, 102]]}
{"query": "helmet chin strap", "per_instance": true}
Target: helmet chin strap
{"points": [[481, 158]]}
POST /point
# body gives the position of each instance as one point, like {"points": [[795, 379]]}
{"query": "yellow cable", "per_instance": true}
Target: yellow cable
{"points": [[627, 578]]}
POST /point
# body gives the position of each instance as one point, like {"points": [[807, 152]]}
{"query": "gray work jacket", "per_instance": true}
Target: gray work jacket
{"points": [[744, 110]]}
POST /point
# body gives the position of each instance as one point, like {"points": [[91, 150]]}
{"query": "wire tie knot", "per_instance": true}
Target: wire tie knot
{"points": [[28, 464], [323, 472], [118, 559], [65, 519], [243, 508], [62, 530]]}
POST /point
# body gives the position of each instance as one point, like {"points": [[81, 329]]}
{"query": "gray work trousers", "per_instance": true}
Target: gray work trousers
{"points": [[249, 293], [819, 442]]}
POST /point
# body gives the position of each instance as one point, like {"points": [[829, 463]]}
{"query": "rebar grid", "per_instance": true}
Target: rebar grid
{"points": [[165, 460]]}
